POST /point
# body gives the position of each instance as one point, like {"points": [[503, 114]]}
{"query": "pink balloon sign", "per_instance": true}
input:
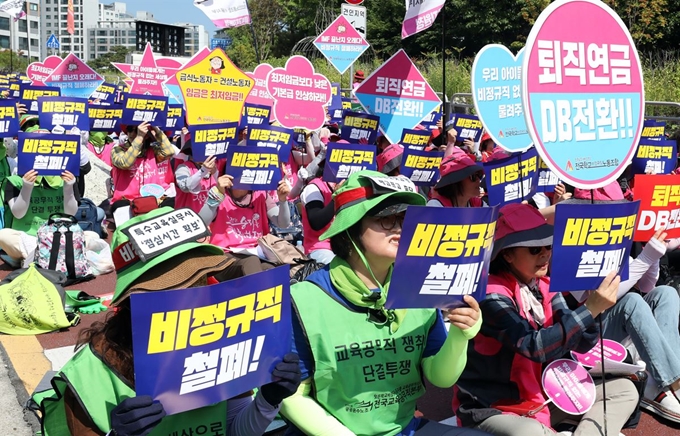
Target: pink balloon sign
{"points": [[299, 94], [39, 71], [259, 94], [569, 386], [612, 351]]}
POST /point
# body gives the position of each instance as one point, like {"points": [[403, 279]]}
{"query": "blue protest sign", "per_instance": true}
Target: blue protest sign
{"points": [[653, 130], [341, 44], [467, 127], [422, 167], [105, 118], [415, 139], [48, 154], [278, 138], [655, 156], [359, 128], [15, 88], [145, 108], [442, 256], [253, 168], [590, 241], [175, 119], [213, 342], [430, 121], [299, 139], [335, 107], [513, 179], [29, 96], [547, 179], [105, 93], [9, 118], [67, 112], [496, 91], [255, 115], [342, 160], [212, 140]]}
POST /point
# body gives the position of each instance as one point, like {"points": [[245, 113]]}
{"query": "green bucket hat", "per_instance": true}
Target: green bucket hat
{"points": [[365, 190], [174, 268]]}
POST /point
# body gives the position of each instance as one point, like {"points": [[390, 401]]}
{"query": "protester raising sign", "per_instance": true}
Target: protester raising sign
{"points": [[422, 167], [442, 256], [29, 96], [255, 115], [9, 119], [359, 128], [467, 127], [213, 342], [342, 160], [547, 180], [67, 112], [415, 139], [659, 206], [253, 168], [591, 240], [655, 156], [48, 154], [513, 179], [278, 138], [105, 118], [212, 140], [138, 109], [175, 120]]}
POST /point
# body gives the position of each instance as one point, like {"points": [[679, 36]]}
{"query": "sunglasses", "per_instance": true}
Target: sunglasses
{"points": [[477, 177], [390, 222], [536, 250]]}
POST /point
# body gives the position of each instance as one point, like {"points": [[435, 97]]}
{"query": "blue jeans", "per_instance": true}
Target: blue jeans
{"points": [[652, 324]]}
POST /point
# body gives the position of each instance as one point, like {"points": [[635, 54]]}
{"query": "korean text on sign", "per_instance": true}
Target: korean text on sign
{"points": [[659, 206], [30, 94], [359, 128], [415, 139], [253, 168], [277, 138], [67, 112], [138, 109], [48, 154], [547, 180], [655, 156], [442, 257], [214, 343], [422, 167], [343, 160], [468, 127], [590, 241], [175, 119], [512, 180], [9, 118], [104, 118], [255, 115], [212, 139]]}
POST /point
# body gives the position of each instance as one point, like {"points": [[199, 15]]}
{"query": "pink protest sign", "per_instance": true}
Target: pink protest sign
{"points": [[583, 92], [259, 94], [420, 15], [148, 77], [569, 386], [39, 71], [74, 77], [612, 351], [299, 94]]}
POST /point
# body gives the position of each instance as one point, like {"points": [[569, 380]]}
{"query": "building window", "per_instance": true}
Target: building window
{"points": [[4, 23], [48, 9], [48, 17], [34, 42], [101, 32], [123, 33], [102, 48], [63, 17], [34, 25], [4, 41], [132, 40], [48, 24], [22, 26], [23, 44], [34, 7], [101, 40]]}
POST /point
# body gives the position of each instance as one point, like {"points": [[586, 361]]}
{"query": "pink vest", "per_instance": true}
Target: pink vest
{"points": [[144, 171], [240, 227], [105, 154], [311, 240], [446, 202], [194, 201]]}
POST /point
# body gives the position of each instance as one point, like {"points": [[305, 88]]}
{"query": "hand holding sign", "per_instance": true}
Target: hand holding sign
{"points": [[604, 297], [30, 176], [465, 317], [225, 182]]}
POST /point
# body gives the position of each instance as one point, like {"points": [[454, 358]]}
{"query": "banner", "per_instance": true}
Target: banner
{"points": [[105, 118], [655, 156], [583, 92], [399, 94], [74, 77], [335, 106], [590, 241], [225, 13], [37, 72], [278, 138], [29, 96], [513, 179], [422, 167], [48, 154], [212, 140], [653, 130], [300, 94], [442, 256], [547, 180], [13, 8], [175, 118], [359, 128], [255, 115], [214, 90], [420, 15], [145, 108], [659, 198], [259, 94], [253, 168], [415, 139], [496, 92], [343, 160], [14, 88], [213, 342], [105, 93], [67, 112], [147, 78], [9, 118], [341, 44], [467, 127]]}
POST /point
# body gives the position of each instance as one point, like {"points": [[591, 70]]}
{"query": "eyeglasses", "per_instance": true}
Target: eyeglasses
{"points": [[536, 250], [477, 177], [389, 222]]}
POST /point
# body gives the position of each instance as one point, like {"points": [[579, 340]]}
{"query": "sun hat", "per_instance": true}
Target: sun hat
{"points": [[456, 167], [520, 225], [98, 139], [390, 158], [359, 75], [363, 192], [180, 266], [25, 119]]}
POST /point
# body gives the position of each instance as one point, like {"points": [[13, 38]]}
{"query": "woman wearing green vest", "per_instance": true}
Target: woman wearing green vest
{"points": [[95, 390], [363, 365]]}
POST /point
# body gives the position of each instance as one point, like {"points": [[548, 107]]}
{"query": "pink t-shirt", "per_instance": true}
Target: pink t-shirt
{"points": [[105, 154], [240, 227], [146, 170], [311, 240], [188, 199]]}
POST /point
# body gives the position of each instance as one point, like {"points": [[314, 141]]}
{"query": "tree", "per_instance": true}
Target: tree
{"points": [[102, 64], [646, 20], [12, 62]]}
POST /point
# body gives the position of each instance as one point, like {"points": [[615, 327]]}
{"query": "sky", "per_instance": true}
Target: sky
{"points": [[169, 11]]}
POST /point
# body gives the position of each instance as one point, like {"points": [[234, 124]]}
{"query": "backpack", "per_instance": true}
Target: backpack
{"points": [[87, 217], [281, 252], [61, 247]]}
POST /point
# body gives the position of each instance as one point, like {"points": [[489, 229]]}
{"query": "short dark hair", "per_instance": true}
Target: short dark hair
{"points": [[499, 264], [341, 244]]}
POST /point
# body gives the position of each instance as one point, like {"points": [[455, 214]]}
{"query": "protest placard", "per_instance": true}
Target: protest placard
{"points": [[138, 109], [659, 198], [105, 118], [175, 117], [359, 128], [9, 118], [253, 168], [277, 138], [467, 127], [74, 77], [212, 140], [655, 156], [67, 112], [415, 139], [48, 154], [343, 160], [255, 115], [513, 179], [29, 96], [422, 167]]}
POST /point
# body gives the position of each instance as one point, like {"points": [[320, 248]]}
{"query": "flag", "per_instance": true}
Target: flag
{"points": [[15, 8], [70, 19], [225, 13], [420, 15]]}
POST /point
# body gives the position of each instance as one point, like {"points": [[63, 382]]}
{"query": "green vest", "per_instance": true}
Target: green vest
{"points": [[44, 202], [99, 390], [366, 377]]}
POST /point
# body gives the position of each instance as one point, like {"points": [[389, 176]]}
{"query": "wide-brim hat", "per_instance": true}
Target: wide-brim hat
{"points": [[363, 192], [455, 168], [521, 225], [390, 158]]}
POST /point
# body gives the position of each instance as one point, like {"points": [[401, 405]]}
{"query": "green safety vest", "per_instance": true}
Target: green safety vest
{"points": [[44, 202], [99, 389], [366, 377]]}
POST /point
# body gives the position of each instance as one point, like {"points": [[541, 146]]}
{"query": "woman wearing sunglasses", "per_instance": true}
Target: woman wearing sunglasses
{"points": [[459, 183], [363, 365], [525, 326]]}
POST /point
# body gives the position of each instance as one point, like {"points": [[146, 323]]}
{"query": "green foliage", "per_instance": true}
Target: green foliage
{"points": [[10, 61], [102, 64]]}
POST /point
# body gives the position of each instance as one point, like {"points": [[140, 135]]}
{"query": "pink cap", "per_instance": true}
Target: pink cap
{"points": [[390, 158], [456, 167], [611, 192]]}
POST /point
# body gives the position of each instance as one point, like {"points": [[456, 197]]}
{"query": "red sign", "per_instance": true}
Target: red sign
{"points": [[659, 197], [354, 2]]}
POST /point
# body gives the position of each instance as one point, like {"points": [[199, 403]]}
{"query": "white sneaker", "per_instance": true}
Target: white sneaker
{"points": [[661, 402]]}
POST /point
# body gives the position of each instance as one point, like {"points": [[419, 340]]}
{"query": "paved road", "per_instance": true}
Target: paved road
{"points": [[12, 421]]}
